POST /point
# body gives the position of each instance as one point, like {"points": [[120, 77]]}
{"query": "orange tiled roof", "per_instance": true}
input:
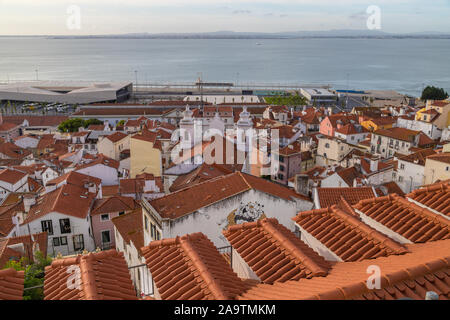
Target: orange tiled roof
{"points": [[411, 221], [11, 284], [11, 176], [104, 276], [418, 157], [343, 233], [117, 136], [411, 275], [274, 253], [75, 178], [11, 151], [68, 199], [108, 191], [190, 267], [331, 196], [115, 203], [398, 133], [7, 126], [190, 199], [101, 159], [436, 197], [348, 175], [7, 211], [203, 173], [441, 157]]}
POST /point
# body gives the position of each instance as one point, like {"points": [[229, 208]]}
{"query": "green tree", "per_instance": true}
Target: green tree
{"points": [[34, 275], [291, 101], [87, 123], [71, 125], [121, 123], [433, 93]]}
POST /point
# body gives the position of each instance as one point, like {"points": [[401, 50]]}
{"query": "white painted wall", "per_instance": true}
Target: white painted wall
{"points": [[212, 220], [108, 175], [78, 226]]}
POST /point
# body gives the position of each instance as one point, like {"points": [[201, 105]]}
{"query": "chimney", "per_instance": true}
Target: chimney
{"points": [[28, 201], [301, 184], [374, 164]]}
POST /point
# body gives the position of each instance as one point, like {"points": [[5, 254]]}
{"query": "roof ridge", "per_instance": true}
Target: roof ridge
{"points": [[212, 284], [371, 232], [269, 226]]}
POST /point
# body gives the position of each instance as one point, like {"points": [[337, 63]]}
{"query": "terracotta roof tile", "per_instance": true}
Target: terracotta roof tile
{"points": [[11, 151], [436, 197], [11, 176], [115, 203], [75, 178], [35, 120], [406, 218], [411, 275], [68, 199], [348, 175], [203, 173], [274, 253], [11, 284], [104, 276], [398, 133], [331, 196], [101, 159], [117, 136], [346, 235], [441, 157], [108, 191], [191, 268]]}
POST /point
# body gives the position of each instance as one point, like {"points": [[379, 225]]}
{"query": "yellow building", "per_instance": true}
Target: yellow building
{"points": [[379, 123], [145, 154], [436, 112], [437, 167]]}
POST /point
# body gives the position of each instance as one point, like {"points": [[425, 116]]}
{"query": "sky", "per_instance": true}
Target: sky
{"points": [[84, 17]]}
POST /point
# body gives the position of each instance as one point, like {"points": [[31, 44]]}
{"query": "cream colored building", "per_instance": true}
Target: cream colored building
{"points": [[331, 150], [113, 145], [146, 154], [437, 167]]}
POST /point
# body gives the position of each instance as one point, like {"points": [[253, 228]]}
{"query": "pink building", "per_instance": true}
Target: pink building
{"points": [[330, 124], [101, 215]]}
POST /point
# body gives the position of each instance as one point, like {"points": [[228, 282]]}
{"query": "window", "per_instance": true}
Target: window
{"points": [[280, 176], [447, 168], [281, 159], [281, 168], [105, 217], [56, 242], [64, 225], [47, 226], [402, 166], [146, 223], [106, 237], [152, 230], [158, 235], [327, 145], [400, 179], [63, 241], [121, 213], [78, 242]]}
